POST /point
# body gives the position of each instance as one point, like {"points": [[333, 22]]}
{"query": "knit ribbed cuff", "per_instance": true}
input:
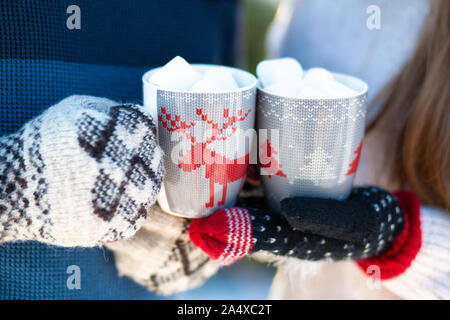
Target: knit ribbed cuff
{"points": [[405, 247], [225, 236]]}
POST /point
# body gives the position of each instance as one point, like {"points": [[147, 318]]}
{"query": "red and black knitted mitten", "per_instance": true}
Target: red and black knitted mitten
{"points": [[362, 226]]}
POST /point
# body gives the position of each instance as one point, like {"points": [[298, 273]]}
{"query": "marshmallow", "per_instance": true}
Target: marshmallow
{"points": [[205, 86], [222, 78], [279, 70], [286, 89], [323, 81], [316, 76], [310, 92], [335, 89], [177, 74]]}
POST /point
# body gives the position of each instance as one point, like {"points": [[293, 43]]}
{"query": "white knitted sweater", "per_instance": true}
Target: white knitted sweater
{"points": [[345, 44], [428, 277]]}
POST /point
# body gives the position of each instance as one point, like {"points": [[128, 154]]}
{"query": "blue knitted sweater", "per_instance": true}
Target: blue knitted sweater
{"points": [[43, 61]]}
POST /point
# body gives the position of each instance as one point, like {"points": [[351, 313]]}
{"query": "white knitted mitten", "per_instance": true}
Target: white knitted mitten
{"points": [[81, 174], [161, 257]]}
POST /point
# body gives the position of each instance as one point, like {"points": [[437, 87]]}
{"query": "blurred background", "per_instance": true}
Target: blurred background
{"points": [[258, 16], [245, 279]]}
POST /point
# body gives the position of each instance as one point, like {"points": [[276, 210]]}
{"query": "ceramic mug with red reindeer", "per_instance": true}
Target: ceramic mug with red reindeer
{"points": [[310, 147], [207, 138]]}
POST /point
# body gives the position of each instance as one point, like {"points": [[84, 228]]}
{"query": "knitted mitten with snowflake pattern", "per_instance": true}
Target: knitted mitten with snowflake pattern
{"points": [[363, 226], [81, 174]]}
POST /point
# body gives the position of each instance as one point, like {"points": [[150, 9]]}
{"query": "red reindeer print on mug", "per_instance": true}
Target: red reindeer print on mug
{"points": [[268, 161], [355, 163], [219, 169]]}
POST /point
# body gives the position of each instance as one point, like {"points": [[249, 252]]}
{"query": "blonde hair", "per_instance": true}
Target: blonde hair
{"points": [[416, 110]]}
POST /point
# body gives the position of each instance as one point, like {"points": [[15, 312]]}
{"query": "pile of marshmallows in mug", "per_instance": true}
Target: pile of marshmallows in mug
{"points": [[283, 77]]}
